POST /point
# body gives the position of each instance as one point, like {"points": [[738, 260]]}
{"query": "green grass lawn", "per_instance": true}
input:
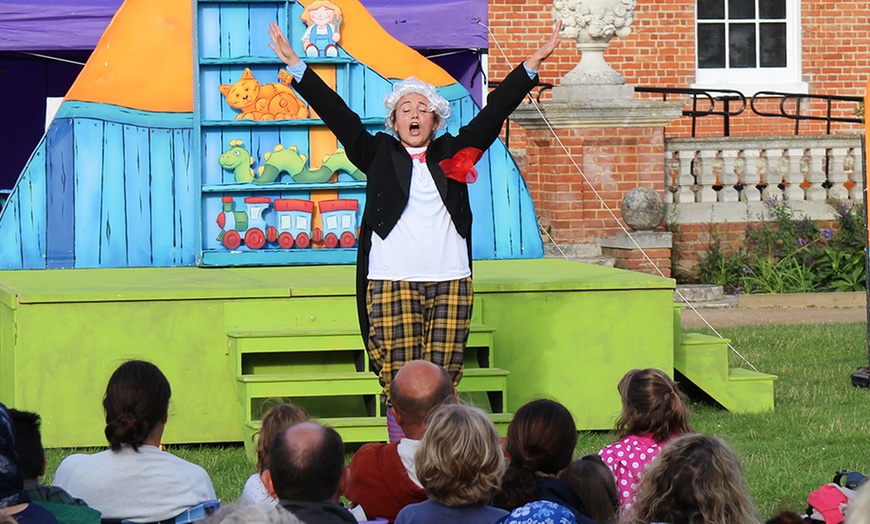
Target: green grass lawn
{"points": [[821, 423]]}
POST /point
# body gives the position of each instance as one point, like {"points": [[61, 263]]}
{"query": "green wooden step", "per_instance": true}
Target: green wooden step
{"points": [[241, 342], [703, 360]]}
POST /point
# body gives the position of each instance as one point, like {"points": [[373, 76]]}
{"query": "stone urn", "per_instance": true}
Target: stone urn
{"points": [[592, 23]]}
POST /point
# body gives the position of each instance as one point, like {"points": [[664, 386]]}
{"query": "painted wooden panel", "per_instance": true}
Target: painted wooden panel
{"points": [[10, 234], [261, 16], [234, 30], [30, 195], [60, 238], [112, 235], [186, 195], [137, 169], [88, 168], [162, 205], [209, 17]]}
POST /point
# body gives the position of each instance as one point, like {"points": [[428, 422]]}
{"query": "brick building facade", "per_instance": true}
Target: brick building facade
{"points": [[826, 55]]}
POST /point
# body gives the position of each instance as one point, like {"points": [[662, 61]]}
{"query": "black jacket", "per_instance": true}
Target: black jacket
{"points": [[388, 165]]}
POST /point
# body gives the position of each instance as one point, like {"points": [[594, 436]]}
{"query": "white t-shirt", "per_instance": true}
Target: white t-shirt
{"points": [[143, 486], [407, 450], [255, 492], [424, 245]]}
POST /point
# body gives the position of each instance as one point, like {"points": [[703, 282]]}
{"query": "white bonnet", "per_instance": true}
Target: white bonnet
{"points": [[437, 103]]}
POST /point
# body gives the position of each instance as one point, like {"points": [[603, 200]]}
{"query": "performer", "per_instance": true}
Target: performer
{"points": [[414, 290]]}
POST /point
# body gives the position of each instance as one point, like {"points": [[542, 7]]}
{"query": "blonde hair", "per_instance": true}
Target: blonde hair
{"points": [[859, 509], [695, 479], [651, 403], [459, 461], [277, 418], [316, 4]]}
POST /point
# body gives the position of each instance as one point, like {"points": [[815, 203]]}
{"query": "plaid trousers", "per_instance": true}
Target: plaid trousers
{"points": [[417, 321]]}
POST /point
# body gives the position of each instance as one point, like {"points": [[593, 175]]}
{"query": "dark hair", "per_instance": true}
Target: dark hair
{"points": [[136, 400], [414, 410], [652, 403], [590, 478], [540, 438], [28, 443], [306, 470]]}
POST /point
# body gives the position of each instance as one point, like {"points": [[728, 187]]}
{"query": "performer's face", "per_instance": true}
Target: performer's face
{"points": [[414, 122]]}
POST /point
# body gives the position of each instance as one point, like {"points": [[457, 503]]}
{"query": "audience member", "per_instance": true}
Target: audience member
{"points": [[653, 412], [858, 511], [14, 501], [786, 517], [590, 478], [276, 418], [31, 459], [306, 472], [460, 464], [540, 443], [540, 512], [696, 478], [240, 513], [383, 477], [135, 479]]}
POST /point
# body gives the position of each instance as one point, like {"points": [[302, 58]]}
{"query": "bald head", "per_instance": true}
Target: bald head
{"points": [[419, 387], [306, 462]]}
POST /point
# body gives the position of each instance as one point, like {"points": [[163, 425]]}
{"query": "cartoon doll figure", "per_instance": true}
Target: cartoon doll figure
{"points": [[323, 18]]}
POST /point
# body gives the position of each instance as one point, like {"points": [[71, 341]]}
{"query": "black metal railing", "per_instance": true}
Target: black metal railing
{"points": [[797, 99], [713, 102]]}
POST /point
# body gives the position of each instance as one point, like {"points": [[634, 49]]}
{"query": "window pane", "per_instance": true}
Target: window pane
{"points": [[741, 9], [711, 9], [741, 45], [711, 46], [773, 45], [771, 9]]}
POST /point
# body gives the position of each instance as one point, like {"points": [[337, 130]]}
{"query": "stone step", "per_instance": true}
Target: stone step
{"points": [[703, 295], [589, 253]]}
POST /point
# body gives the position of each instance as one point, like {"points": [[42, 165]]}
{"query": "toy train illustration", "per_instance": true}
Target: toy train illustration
{"points": [[293, 226]]}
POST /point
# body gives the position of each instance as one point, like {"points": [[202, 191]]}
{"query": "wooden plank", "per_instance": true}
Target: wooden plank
{"points": [[234, 30], [112, 235], [504, 207], [186, 193], [261, 16], [137, 171], [88, 183], [208, 33], [212, 104], [162, 203], [483, 226], [60, 209], [10, 231], [30, 205]]}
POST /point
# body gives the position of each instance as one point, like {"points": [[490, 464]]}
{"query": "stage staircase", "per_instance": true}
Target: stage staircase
{"points": [[326, 370], [703, 360]]}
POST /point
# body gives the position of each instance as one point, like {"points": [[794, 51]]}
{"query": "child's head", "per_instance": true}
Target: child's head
{"points": [[277, 418], [590, 478], [540, 441], [459, 461], [696, 478], [326, 6], [652, 403]]}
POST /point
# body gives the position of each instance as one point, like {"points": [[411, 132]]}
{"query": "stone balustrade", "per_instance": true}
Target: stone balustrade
{"points": [[727, 179]]}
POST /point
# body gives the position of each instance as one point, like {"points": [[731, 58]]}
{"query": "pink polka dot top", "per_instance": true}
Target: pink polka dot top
{"points": [[627, 459]]}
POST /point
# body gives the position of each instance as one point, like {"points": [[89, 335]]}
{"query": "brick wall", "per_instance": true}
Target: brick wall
{"points": [[660, 52]]}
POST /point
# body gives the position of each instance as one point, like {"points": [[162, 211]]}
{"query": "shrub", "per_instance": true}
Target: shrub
{"points": [[789, 254]]}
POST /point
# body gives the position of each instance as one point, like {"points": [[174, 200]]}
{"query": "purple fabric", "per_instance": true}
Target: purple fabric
{"points": [[41, 25]]}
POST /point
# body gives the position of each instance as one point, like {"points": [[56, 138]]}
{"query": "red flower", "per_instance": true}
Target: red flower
{"points": [[461, 166]]}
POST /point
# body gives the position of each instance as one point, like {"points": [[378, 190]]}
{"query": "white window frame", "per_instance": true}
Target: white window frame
{"points": [[752, 80]]}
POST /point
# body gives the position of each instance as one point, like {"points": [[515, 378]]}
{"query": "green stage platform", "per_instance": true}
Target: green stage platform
{"points": [[561, 329]]}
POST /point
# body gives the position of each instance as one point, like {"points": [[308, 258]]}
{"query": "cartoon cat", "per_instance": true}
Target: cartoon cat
{"points": [[273, 101]]}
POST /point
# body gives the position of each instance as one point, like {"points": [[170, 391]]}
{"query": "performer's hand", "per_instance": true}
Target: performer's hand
{"points": [[534, 62], [281, 46]]}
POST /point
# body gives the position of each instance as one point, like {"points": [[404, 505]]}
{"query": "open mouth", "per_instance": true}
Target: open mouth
{"points": [[414, 128]]}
